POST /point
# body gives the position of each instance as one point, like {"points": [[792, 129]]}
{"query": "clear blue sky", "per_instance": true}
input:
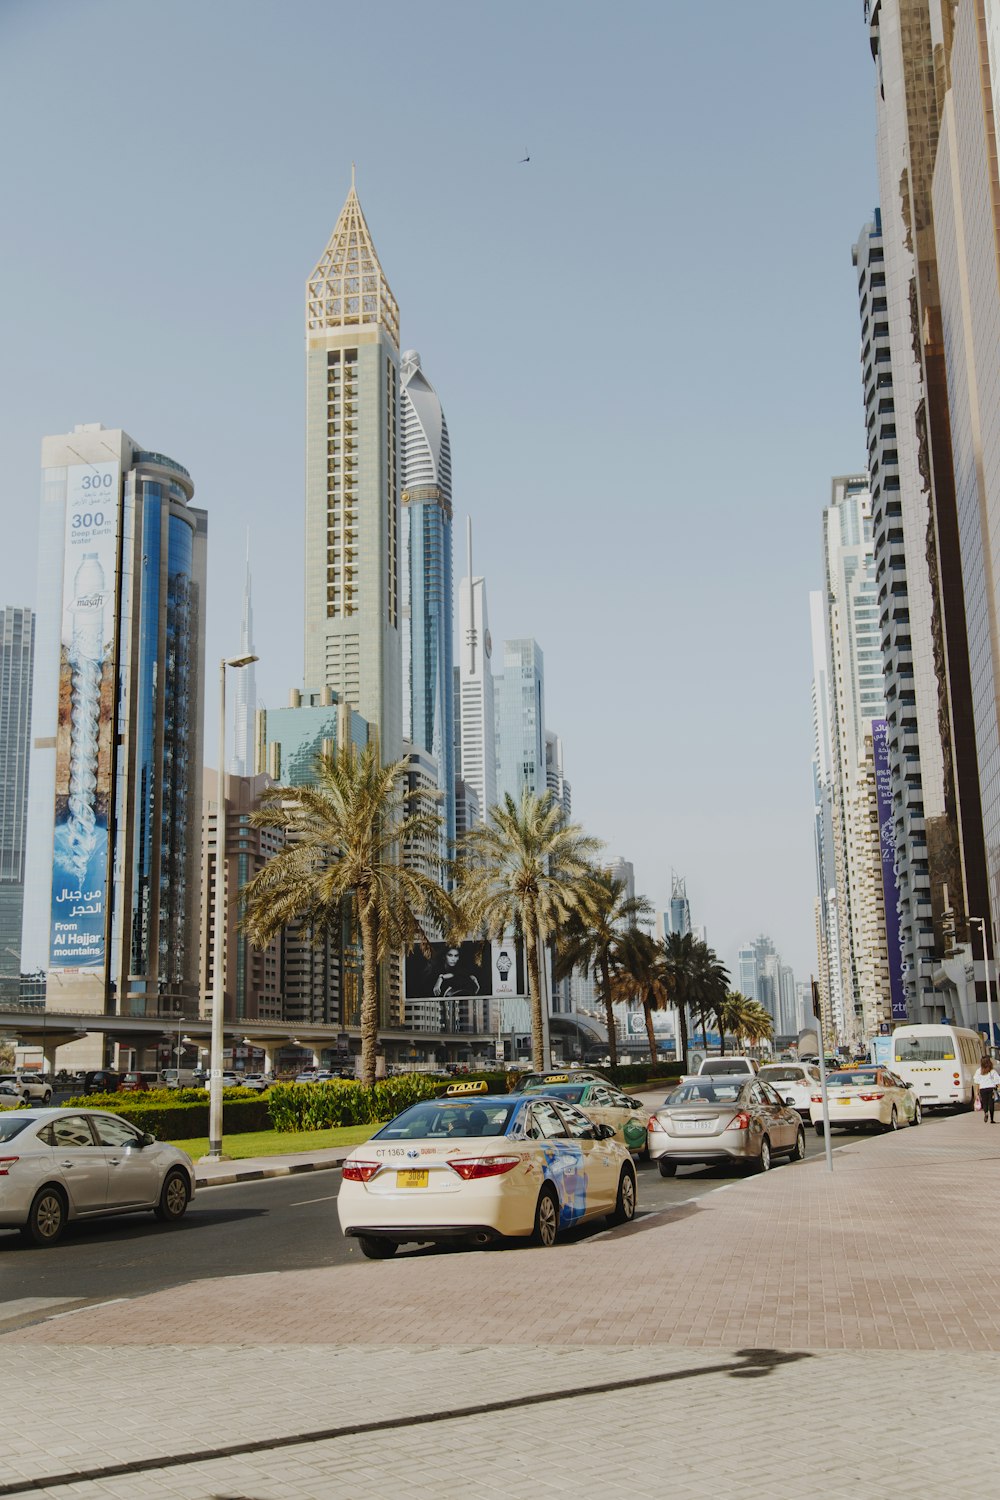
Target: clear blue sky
{"points": [[645, 340]]}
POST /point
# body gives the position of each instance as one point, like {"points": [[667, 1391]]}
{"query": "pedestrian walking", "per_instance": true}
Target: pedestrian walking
{"points": [[986, 1081]]}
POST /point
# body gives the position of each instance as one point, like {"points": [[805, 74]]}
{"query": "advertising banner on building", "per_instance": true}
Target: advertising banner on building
{"points": [[887, 847], [86, 718], [462, 970]]}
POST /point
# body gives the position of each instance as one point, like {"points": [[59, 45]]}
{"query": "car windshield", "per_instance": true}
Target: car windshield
{"points": [[706, 1091], [855, 1079], [780, 1075], [713, 1065], [12, 1125], [571, 1092], [447, 1118]]}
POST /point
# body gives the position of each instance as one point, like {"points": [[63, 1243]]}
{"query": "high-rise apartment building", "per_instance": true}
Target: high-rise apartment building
{"points": [[934, 247], [763, 977], [353, 636], [477, 724], [827, 911], [113, 867], [856, 698], [428, 623], [555, 779], [519, 699], [17, 641]]}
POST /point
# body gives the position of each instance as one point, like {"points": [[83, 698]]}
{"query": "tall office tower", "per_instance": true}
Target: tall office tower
{"points": [[856, 698], [911, 43], [479, 753], [746, 967], [245, 711], [829, 969], [519, 698], [623, 870], [428, 624], [113, 871], [788, 1002], [321, 971], [17, 642], [760, 970], [966, 220], [680, 906], [554, 778], [353, 639]]}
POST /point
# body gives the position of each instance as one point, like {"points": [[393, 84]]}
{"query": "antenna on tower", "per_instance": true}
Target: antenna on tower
{"points": [[471, 634]]}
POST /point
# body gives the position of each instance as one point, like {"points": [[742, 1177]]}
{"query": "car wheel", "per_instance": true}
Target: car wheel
{"points": [[819, 1128], [624, 1209], [764, 1160], [918, 1113], [799, 1152], [46, 1217], [377, 1249], [47, 1096], [667, 1168], [893, 1120], [174, 1196], [546, 1218]]}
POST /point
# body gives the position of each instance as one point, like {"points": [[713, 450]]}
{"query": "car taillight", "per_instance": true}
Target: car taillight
{"points": [[868, 1098], [360, 1171], [740, 1121], [655, 1124], [469, 1167], [6, 1162], [815, 1098]]}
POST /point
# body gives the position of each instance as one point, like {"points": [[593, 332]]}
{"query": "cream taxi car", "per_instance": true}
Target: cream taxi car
{"points": [[866, 1096], [479, 1168], [601, 1102]]}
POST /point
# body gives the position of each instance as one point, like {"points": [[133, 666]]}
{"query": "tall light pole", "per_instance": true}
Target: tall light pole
{"points": [[981, 924], [219, 943]]}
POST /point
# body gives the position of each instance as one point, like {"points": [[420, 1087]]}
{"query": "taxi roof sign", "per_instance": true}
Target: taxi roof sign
{"points": [[466, 1088], [558, 1078]]}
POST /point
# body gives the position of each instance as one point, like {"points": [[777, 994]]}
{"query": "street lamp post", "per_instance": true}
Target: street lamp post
{"points": [[981, 924], [219, 943]]}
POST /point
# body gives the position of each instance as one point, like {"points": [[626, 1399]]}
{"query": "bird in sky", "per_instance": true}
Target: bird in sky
{"points": [[525, 157]]}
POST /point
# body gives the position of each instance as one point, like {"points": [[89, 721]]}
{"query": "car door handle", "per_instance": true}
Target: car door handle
{"points": [[67, 1163], [113, 1161]]}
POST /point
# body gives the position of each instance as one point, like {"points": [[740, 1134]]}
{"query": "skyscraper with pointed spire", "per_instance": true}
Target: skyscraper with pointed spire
{"points": [[353, 638], [243, 761], [428, 625]]}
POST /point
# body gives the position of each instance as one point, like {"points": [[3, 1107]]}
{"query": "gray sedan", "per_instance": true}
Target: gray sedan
{"points": [[63, 1164], [719, 1119]]}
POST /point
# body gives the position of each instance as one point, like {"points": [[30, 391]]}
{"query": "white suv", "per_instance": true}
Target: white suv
{"points": [[715, 1067], [795, 1082], [32, 1086]]}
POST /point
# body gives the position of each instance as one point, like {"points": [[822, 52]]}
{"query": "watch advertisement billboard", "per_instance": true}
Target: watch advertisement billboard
{"points": [[86, 718]]}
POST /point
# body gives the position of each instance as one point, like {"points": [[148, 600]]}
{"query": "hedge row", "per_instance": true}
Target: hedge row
{"points": [[321, 1106], [182, 1122], [159, 1097]]}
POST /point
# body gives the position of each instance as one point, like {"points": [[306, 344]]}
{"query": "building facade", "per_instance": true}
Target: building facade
{"points": [[17, 651], [353, 605], [428, 617], [519, 708], [113, 864], [477, 728], [555, 778]]}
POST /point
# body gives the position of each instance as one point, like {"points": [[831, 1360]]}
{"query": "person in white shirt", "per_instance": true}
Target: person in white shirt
{"points": [[986, 1081]]}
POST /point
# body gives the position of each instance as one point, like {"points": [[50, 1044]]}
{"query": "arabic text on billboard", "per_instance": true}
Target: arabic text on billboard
{"points": [[86, 708]]}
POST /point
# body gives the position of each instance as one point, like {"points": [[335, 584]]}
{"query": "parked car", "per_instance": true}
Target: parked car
{"points": [[11, 1096], [728, 1066], [138, 1083], [866, 1096], [603, 1103], [795, 1082], [179, 1078], [258, 1081], [724, 1119], [101, 1081], [34, 1087], [229, 1081], [57, 1165]]}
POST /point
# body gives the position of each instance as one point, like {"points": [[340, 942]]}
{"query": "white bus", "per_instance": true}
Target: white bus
{"points": [[939, 1060]]}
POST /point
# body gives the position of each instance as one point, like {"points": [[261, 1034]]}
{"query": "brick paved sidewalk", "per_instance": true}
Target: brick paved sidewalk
{"points": [[895, 1250]]}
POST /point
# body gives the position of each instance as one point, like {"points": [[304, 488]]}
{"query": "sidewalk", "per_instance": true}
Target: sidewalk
{"points": [[854, 1309], [253, 1168]]}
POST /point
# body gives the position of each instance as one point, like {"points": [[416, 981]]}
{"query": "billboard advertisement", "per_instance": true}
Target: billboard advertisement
{"points": [[86, 718], [464, 970], [887, 849]]}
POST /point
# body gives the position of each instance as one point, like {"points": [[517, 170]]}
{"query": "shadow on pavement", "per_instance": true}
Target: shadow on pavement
{"points": [[121, 1228]]}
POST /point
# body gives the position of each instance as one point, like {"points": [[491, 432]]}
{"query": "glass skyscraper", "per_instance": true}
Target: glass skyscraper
{"points": [[113, 868], [17, 639], [519, 698], [428, 623]]}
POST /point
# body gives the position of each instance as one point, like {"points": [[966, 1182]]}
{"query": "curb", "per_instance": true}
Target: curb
{"points": [[255, 1174]]}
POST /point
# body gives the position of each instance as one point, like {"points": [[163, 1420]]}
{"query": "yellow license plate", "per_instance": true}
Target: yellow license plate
{"points": [[847, 1101], [411, 1179]]}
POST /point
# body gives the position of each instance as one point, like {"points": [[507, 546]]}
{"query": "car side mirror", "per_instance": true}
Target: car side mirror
{"points": [[634, 1103], [789, 1099], [146, 1139], [604, 1132]]}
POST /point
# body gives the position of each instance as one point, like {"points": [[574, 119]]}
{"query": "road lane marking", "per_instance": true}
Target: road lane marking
{"points": [[303, 1201]]}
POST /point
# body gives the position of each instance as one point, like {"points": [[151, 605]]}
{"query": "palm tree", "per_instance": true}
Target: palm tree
{"points": [[345, 839], [640, 973], [759, 1025], [592, 935], [680, 969], [734, 1015], [710, 981], [529, 870]]}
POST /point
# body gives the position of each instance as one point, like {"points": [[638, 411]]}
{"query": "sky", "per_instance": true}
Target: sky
{"points": [[645, 340]]}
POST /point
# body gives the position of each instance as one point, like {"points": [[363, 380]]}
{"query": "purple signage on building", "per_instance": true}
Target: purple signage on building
{"points": [[887, 845]]}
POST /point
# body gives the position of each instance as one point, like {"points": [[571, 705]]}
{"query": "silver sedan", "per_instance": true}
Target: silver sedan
{"points": [[720, 1119], [62, 1164]]}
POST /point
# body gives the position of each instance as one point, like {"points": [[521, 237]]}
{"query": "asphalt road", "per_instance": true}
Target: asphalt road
{"points": [[282, 1223]]}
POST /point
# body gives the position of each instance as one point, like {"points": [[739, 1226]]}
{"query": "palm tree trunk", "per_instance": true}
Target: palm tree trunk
{"points": [[682, 1027], [609, 1010], [647, 1006], [703, 1018], [369, 996], [535, 994]]}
